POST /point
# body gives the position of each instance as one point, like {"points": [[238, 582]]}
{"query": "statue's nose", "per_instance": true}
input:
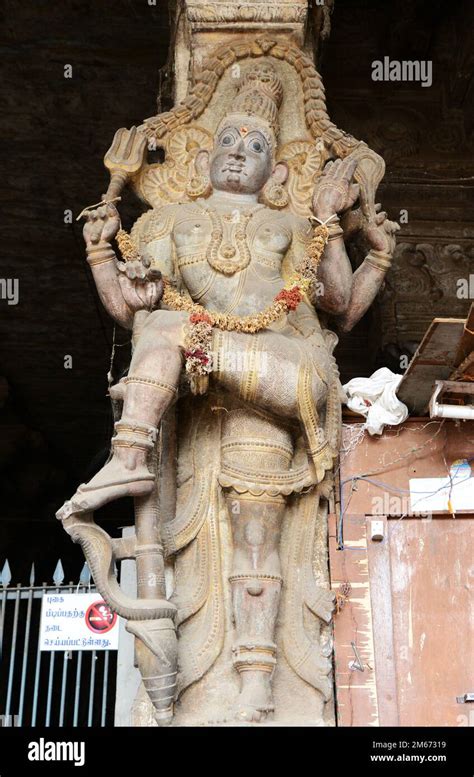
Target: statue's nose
{"points": [[238, 151]]}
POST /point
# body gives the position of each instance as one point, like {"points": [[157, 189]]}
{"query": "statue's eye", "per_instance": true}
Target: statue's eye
{"points": [[256, 145], [227, 139]]}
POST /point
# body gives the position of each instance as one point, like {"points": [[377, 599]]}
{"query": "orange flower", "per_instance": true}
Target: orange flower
{"points": [[291, 297], [196, 318]]}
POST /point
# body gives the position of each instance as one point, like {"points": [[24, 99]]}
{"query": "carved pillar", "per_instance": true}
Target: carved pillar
{"points": [[203, 25]]}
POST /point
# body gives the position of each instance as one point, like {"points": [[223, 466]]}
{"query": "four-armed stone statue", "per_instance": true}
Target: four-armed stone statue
{"points": [[231, 406]]}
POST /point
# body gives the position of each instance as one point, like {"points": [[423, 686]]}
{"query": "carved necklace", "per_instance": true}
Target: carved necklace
{"points": [[222, 254]]}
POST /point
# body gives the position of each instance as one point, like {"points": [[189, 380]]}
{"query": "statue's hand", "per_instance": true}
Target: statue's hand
{"points": [[381, 234], [335, 191], [142, 285], [102, 224]]}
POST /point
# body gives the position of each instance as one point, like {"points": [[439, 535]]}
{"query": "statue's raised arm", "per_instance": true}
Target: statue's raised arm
{"points": [[345, 294]]}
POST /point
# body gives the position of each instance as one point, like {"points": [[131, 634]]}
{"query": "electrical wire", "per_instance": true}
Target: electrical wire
{"points": [[388, 487]]}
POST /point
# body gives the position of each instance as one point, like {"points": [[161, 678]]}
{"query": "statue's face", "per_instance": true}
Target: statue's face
{"points": [[240, 162]]}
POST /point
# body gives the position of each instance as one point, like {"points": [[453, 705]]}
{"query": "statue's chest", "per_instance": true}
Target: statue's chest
{"points": [[211, 248]]}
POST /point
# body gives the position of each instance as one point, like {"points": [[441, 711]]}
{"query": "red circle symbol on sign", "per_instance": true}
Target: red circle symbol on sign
{"points": [[100, 618]]}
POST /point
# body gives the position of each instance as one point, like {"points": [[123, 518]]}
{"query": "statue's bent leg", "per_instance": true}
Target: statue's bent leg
{"points": [[285, 375], [266, 370], [150, 388]]}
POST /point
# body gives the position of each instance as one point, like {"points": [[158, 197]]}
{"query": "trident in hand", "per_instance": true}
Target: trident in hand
{"points": [[125, 157]]}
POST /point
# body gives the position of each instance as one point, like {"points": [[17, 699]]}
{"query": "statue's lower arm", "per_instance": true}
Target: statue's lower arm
{"points": [[348, 295], [369, 277], [123, 287]]}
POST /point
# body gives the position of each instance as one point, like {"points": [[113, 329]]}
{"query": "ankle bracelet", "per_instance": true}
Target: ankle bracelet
{"points": [[158, 384], [131, 434]]}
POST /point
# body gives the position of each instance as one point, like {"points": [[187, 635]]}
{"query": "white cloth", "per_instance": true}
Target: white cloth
{"points": [[376, 399]]}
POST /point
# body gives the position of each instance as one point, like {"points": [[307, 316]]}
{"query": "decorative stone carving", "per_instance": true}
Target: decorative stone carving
{"points": [[425, 276], [202, 13], [231, 486]]}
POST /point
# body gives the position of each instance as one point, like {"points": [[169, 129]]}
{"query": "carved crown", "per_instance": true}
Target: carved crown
{"points": [[260, 94], [307, 136]]}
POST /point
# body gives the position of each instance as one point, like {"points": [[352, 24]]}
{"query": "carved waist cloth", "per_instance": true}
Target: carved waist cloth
{"points": [[292, 380]]}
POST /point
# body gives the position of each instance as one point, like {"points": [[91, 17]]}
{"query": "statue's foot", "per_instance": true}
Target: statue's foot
{"points": [[112, 482], [255, 701]]}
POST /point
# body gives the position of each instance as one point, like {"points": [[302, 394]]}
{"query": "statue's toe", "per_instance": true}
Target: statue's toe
{"points": [[92, 498]]}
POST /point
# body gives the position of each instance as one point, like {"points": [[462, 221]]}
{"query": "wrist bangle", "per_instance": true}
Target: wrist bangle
{"points": [[335, 232], [99, 260], [100, 256], [379, 260], [381, 255]]}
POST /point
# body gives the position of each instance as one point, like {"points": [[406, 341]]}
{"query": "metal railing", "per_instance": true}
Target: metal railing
{"points": [[38, 688]]}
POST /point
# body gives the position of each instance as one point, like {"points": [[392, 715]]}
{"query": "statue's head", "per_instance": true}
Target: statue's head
{"points": [[242, 159]]}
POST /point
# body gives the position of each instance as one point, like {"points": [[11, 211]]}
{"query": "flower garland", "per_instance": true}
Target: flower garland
{"points": [[198, 342]]}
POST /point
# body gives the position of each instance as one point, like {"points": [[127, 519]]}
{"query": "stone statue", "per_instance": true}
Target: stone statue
{"points": [[231, 407]]}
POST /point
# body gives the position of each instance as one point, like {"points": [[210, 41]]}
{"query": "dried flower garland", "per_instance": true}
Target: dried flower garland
{"points": [[198, 350], [198, 344]]}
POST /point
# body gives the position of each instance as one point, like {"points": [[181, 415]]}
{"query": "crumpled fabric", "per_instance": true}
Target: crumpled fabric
{"points": [[376, 399]]}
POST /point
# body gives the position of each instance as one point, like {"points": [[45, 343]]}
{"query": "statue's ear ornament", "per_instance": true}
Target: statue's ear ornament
{"points": [[199, 185], [274, 195]]}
